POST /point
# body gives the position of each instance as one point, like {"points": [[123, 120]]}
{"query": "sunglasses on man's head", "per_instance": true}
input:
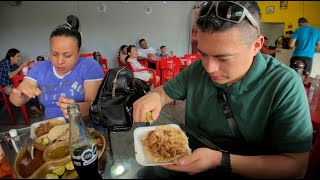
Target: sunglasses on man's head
{"points": [[230, 11]]}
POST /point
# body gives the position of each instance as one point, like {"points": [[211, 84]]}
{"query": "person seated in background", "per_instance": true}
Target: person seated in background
{"points": [[283, 41], [65, 78], [145, 51], [265, 49], [163, 51], [135, 65], [123, 54], [9, 68]]}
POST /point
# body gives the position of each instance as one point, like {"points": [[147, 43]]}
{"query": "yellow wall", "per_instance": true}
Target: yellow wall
{"points": [[295, 10]]}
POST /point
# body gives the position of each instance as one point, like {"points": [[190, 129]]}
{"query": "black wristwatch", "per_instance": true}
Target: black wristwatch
{"points": [[225, 166]]}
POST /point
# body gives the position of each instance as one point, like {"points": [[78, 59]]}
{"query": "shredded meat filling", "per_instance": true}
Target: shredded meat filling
{"points": [[165, 144], [43, 128]]}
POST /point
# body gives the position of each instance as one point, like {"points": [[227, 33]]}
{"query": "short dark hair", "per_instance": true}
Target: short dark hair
{"points": [[162, 47], [11, 53], [211, 23], [141, 40], [265, 38], [121, 48], [302, 20], [69, 29], [289, 32], [129, 50]]}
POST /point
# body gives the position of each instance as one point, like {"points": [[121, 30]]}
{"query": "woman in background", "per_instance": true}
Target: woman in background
{"points": [[8, 68], [123, 54], [135, 65]]}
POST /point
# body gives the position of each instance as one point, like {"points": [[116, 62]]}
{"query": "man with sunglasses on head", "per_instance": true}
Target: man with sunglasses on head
{"points": [[250, 105]]}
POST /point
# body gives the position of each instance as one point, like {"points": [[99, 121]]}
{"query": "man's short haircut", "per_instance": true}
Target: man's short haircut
{"points": [[162, 47], [141, 40], [302, 20], [212, 24], [289, 32]]}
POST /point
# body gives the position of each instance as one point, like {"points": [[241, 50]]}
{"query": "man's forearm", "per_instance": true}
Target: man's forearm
{"points": [[271, 166], [165, 99]]}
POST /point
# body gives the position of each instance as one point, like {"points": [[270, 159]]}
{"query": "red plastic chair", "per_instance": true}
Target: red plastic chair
{"points": [[87, 55], [5, 99], [105, 65], [169, 67], [119, 62], [103, 61], [193, 57], [151, 80], [16, 81], [188, 59]]}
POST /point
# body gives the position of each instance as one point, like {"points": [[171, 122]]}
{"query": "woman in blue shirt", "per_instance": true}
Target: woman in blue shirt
{"points": [[64, 79]]}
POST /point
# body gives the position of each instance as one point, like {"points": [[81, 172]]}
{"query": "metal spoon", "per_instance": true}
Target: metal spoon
{"points": [[30, 148]]}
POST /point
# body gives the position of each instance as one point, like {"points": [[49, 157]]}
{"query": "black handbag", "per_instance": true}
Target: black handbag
{"points": [[112, 107]]}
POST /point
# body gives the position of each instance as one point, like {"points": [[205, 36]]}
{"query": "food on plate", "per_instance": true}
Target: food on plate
{"points": [[26, 166], [69, 166], [70, 175], [60, 132], [149, 117], [165, 144], [52, 176], [45, 141], [40, 139], [58, 153], [59, 171], [97, 141], [64, 172], [46, 126]]}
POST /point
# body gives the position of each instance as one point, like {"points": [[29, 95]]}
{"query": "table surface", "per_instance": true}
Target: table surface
{"points": [[120, 151]]}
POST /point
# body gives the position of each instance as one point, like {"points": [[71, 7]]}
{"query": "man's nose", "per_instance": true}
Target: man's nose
{"points": [[212, 65]]}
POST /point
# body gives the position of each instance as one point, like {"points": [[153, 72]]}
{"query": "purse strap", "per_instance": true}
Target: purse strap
{"points": [[223, 101]]}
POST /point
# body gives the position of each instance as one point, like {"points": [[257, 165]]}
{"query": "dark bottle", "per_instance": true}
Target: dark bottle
{"points": [[82, 148]]}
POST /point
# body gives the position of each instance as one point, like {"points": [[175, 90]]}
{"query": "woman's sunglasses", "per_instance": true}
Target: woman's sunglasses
{"points": [[231, 11]]}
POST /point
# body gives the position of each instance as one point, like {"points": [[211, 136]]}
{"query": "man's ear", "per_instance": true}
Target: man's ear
{"points": [[257, 44]]}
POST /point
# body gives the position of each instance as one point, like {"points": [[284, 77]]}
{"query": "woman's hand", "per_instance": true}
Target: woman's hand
{"points": [[63, 104], [200, 160], [25, 63], [29, 88]]}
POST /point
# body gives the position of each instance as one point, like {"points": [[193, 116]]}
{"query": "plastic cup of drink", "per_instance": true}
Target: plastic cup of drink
{"points": [[25, 70], [171, 53]]}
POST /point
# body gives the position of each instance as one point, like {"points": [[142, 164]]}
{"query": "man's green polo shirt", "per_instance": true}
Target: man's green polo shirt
{"points": [[269, 105]]}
